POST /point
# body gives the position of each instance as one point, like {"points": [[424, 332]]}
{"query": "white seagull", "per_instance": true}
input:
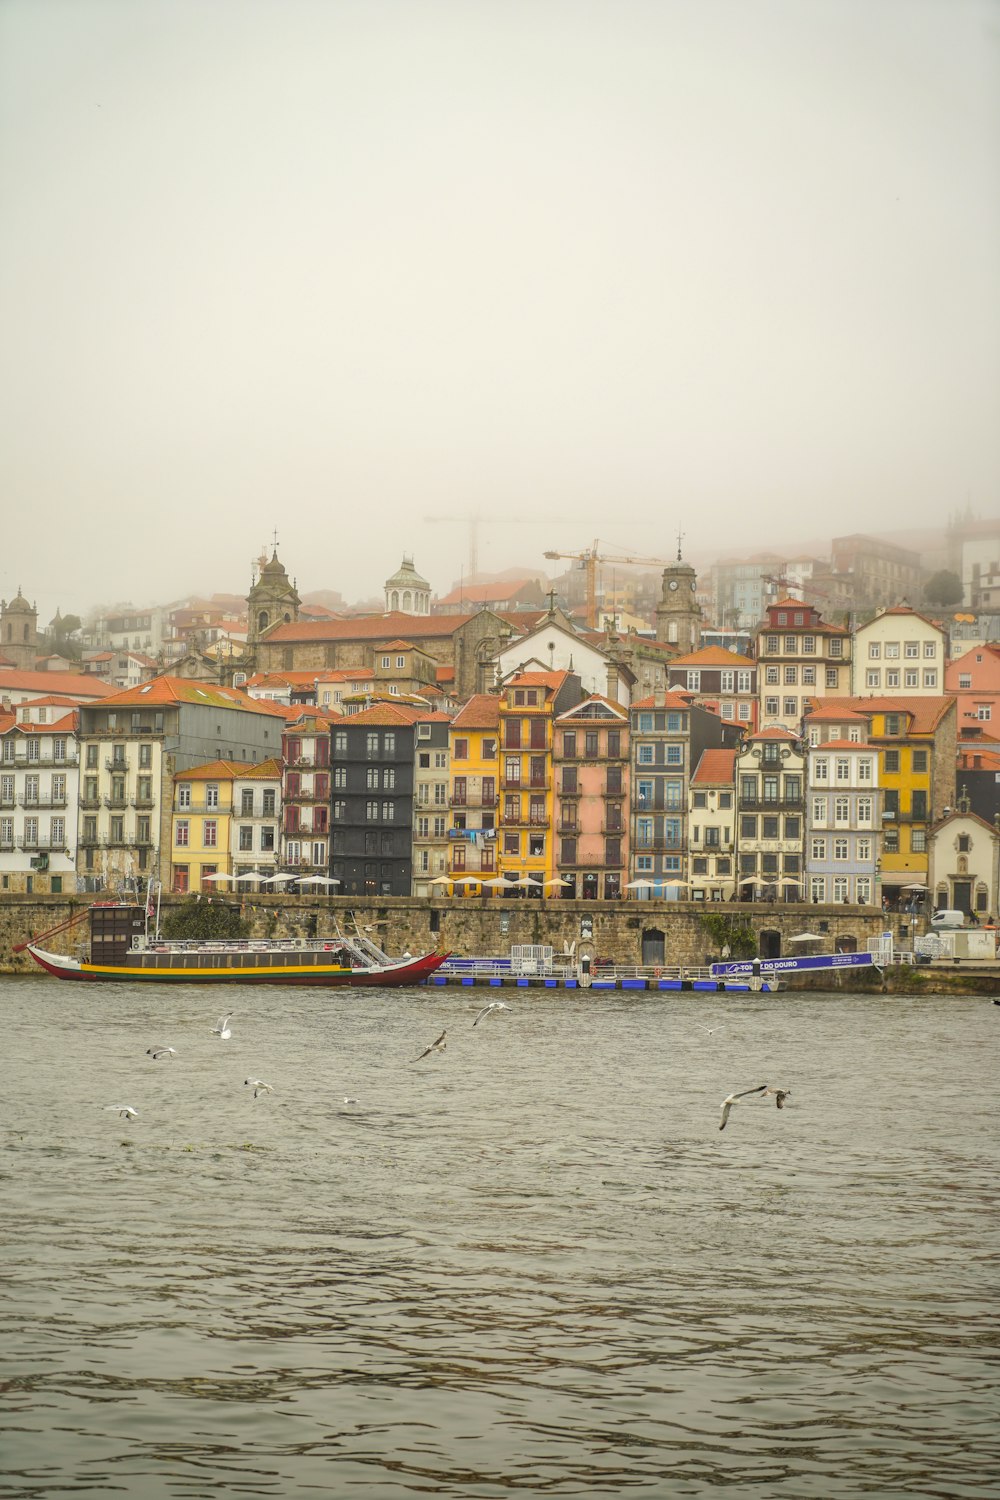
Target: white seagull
{"points": [[732, 1099], [125, 1110], [222, 1028], [488, 1010], [779, 1096], [350, 1101], [157, 1052], [436, 1046], [259, 1086]]}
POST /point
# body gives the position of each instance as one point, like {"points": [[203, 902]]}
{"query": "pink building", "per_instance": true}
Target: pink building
{"points": [[590, 763], [974, 681]]}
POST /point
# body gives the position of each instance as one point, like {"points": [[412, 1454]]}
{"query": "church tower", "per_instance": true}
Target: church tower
{"points": [[273, 600], [19, 633], [678, 614], [406, 592]]}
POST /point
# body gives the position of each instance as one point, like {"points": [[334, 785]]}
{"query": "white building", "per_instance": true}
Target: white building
{"points": [[39, 791], [843, 822], [256, 813], [964, 865], [899, 651]]}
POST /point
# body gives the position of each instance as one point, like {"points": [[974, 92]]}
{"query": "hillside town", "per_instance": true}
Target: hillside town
{"points": [[770, 729]]}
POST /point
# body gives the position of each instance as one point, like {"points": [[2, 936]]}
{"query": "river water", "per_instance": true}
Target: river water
{"points": [[529, 1265]]}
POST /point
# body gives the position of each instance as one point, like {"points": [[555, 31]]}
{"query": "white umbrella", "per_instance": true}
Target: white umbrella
{"points": [[674, 881], [806, 937], [468, 880], [500, 882], [789, 881], [527, 880], [219, 876], [277, 879], [319, 880], [914, 888], [251, 875], [558, 880], [441, 880]]}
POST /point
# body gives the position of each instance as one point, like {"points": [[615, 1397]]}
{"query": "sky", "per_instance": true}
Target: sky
{"points": [[573, 269]]}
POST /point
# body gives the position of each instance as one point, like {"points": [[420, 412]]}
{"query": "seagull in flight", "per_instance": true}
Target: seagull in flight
{"points": [[779, 1096], [488, 1010], [157, 1052], [436, 1046], [259, 1086], [732, 1099], [222, 1028], [125, 1110]]}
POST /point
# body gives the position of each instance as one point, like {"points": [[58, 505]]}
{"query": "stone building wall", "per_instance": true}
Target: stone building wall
{"points": [[471, 927]]}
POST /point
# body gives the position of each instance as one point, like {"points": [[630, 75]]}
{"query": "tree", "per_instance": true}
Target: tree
{"points": [[204, 920], [943, 588]]}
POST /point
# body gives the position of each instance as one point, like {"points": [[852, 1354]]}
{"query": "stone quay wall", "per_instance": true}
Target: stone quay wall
{"points": [[474, 927]]}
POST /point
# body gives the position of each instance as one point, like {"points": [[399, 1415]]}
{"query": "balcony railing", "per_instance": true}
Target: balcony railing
{"points": [[116, 802], [45, 802], [770, 804], [44, 844], [563, 825], [115, 765], [45, 761], [524, 783]]}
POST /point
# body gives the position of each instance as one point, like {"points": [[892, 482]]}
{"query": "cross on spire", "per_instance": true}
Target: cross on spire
{"points": [[551, 596], [680, 538]]}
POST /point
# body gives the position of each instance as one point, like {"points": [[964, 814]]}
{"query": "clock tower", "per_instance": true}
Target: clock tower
{"points": [[678, 614]]}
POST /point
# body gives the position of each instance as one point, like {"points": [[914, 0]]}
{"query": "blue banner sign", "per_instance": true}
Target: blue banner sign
{"points": [[791, 965]]}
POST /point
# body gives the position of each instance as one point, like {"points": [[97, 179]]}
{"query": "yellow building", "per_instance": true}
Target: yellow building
{"points": [[529, 704], [201, 843], [473, 791], [916, 743]]}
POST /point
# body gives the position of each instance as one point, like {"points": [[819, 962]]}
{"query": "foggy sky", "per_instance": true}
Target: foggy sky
{"points": [[332, 268]]}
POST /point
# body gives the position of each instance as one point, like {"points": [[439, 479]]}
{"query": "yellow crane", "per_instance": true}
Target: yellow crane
{"points": [[588, 560]]}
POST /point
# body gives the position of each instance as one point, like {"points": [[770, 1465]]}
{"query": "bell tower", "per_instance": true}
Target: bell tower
{"points": [[678, 614], [273, 600], [19, 632]]}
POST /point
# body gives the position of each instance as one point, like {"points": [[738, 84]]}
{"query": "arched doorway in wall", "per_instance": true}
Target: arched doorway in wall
{"points": [[653, 946], [848, 944], [770, 943]]}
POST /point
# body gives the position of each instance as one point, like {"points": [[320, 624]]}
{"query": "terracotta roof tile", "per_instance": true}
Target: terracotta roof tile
{"points": [[367, 628], [715, 768], [481, 712], [713, 656], [70, 684]]}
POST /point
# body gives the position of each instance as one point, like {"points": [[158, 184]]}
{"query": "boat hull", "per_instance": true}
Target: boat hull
{"points": [[326, 976]]}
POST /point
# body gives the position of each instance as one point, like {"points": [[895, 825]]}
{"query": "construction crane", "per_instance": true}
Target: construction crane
{"points": [[589, 560], [475, 521]]}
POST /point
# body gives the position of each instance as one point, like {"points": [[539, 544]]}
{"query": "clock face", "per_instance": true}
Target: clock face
{"points": [[694, 586], [673, 583]]}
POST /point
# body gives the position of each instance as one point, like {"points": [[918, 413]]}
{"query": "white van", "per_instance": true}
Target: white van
{"points": [[947, 921]]}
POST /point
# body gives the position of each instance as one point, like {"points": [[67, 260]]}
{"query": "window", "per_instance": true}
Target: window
{"points": [[791, 707], [865, 806], [246, 838], [772, 676], [840, 887], [840, 848], [863, 887], [791, 643], [865, 767], [693, 681], [817, 849], [918, 840], [371, 811], [920, 762], [91, 755], [211, 833], [772, 643], [389, 777], [930, 650], [891, 679], [791, 676], [675, 755], [57, 832], [591, 744], [145, 756], [965, 679], [386, 662], [821, 768], [182, 833], [873, 678], [930, 680], [819, 806], [212, 795], [892, 650], [890, 840], [748, 827], [892, 762], [769, 827], [911, 649], [644, 755], [340, 742], [770, 706], [874, 650], [863, 850], [461, 750], [270, 797], [809, 676], [400, 662], [817, 888], [388, 811], [58, 749], [793, 828], [832, 676], [984, 711], [841, 811], [371, 778]]}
